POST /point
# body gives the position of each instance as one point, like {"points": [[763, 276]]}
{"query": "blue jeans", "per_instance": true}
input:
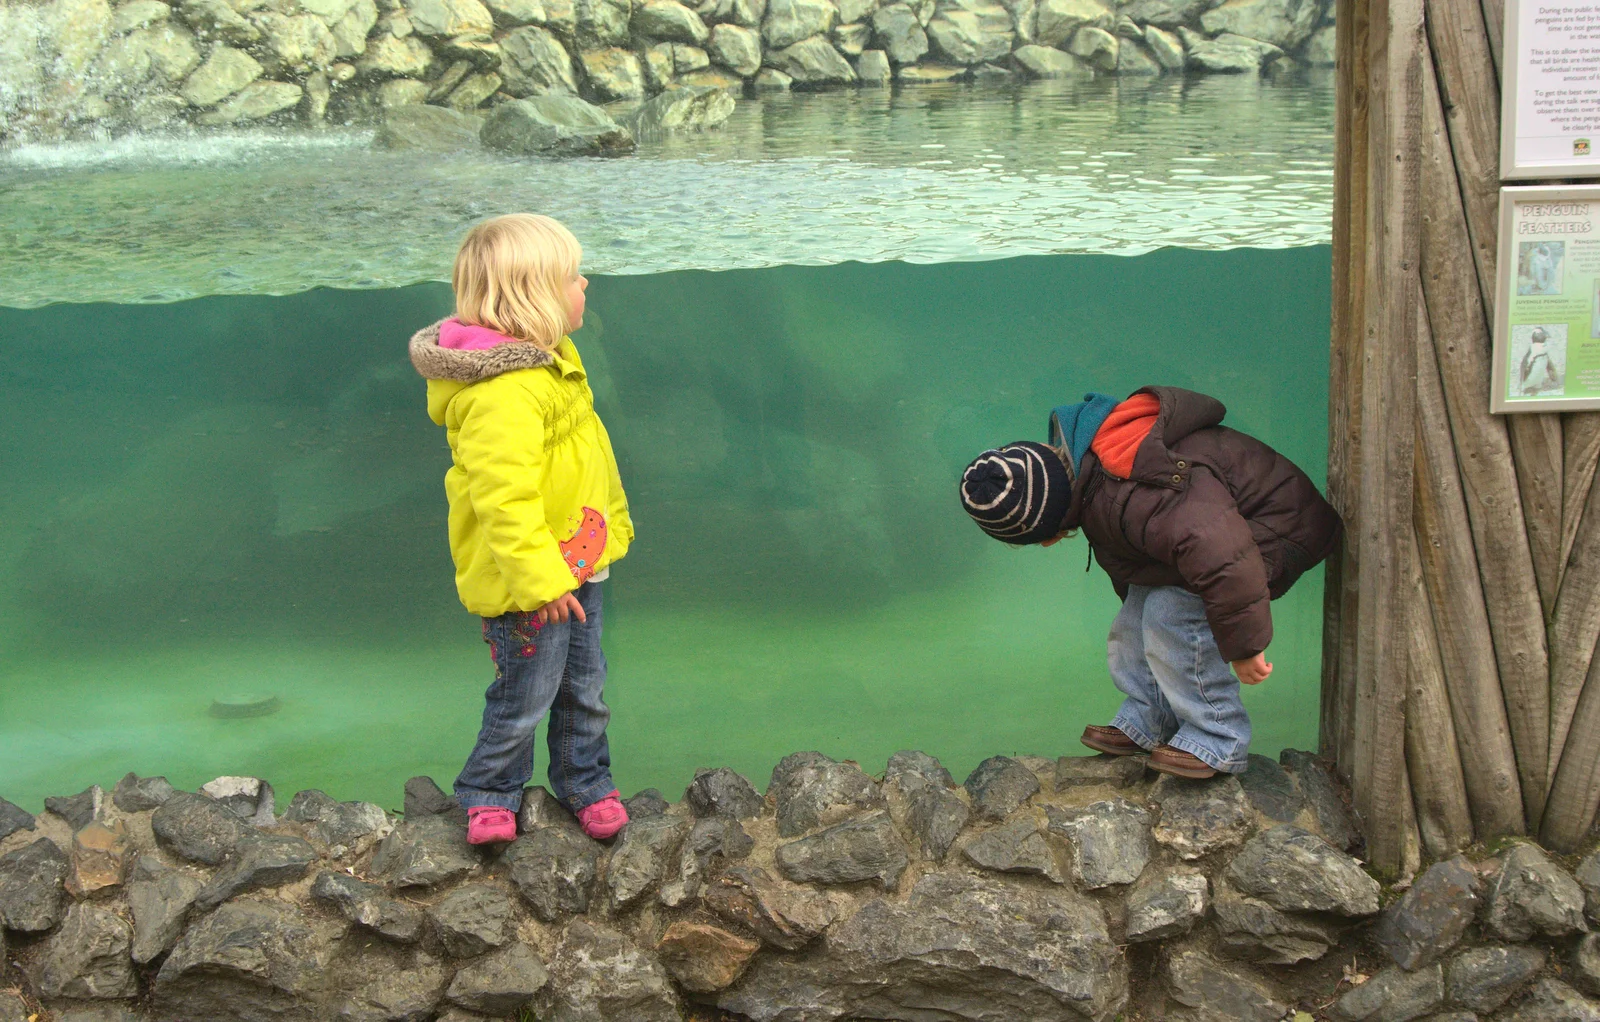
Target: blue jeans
{"points": [[1180, 691], [556, 669]]}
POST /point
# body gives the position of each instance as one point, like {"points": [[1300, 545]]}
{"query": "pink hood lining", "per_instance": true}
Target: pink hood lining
{"points": [[458, 336]]}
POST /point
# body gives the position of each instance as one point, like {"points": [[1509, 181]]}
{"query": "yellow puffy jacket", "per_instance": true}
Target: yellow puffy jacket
{"points": [[536, 502]]}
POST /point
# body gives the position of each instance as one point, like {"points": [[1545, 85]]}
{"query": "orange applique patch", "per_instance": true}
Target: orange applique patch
{"points": [[583, 550]]}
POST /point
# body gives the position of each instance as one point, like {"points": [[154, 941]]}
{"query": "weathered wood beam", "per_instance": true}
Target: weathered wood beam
{"points": [[1580, 432], [1433, 759]]}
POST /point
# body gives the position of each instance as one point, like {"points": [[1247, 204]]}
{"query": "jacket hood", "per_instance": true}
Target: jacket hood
{"points": [[471, 366]]}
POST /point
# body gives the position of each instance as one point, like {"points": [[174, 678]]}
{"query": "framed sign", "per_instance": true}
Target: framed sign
{"points": [[1550, 99], [1547, 300]]}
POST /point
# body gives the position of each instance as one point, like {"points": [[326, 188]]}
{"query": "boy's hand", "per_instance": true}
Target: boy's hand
{"points": [[1254, 670], [559, 609]]}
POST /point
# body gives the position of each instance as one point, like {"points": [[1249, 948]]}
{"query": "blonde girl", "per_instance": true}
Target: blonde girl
{"points": [[537, 516]]}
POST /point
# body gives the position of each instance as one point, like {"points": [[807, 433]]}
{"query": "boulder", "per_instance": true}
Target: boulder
{"points": [[88, 957], [866, 848], [428, 128], [1167, 904], [1551, 1000], [1283, 23], [1199, 981], [1432, 916], [738, 49], [514, 13], [1167, 14], [386, 57], [1231, 54], [1110, 841], [1321, 792], [260, 861], [249, 961], [472, 919], [1251, 929], [704, 958], [1167, 49], [160, 903], [440, 18], [899, 33], [786, 23], [216, 19], [1392, 993], [728, 83], [1200, 817], [641, 857], [407, 990], [670, 21], [1015, 847], [137, 14], [645, 804], [78, 810], [1320, 49], [500, 984], [1485, 978], [135, 794], [935, 815], [599, 975], [780, 914], [971, 31], [369, 905], [770, 79], [1077, 771], [689, 108], [536, 64], [554, 869], [399, 92], [425, 798], [1095, 47], [1058, 22], [600, 23], [1049, 62], [100, 857], [613, 74], [350, 32], [224, 73], [999, 786], [252, 103], [1266, 784], [31, 890], [334, 823], [291, 45], [949, 952], [425, 852], [13, 818], [1532, 895], [1297, 871], [851, 11], [851, 39], [809, 789]]}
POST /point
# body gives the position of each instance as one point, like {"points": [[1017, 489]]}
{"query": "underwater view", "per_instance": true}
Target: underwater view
{"points": [[222, 487]]}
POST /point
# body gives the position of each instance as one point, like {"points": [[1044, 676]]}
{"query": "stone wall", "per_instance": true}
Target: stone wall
{"points": [[85, 67], [1039, 890]]}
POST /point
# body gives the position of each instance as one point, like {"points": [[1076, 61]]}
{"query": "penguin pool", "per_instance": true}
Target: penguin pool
{"points": [[224, 547]]}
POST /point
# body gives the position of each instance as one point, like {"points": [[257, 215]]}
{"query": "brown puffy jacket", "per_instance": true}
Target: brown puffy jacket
{"points": [[1209, 509]]}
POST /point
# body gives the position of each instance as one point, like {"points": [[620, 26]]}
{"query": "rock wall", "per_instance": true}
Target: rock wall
{"points": [[85, 67], [1083, 888]]}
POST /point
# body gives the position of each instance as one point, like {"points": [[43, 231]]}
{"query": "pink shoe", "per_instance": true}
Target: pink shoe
{"points": [[490, 824], [604, 818]]}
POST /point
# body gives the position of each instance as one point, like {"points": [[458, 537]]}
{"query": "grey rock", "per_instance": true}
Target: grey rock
{"points": [[612, 74], [971, 31], [554, 869], [1322, 48], [254, 102], [405, 991], [500, 983], [718, 838], [1015, 847], [428, 128], [216, 19], [472, 919], [1167, 14], [1110, 841], [1076, 771], [261, 860], [810, 790], [646, 804], [536, 64], [1432, 916], [910, 769], [1167, 904], [1096, 47], [1231, 54], [1168, 51], [1060, 20], [135, 794], [770, 79], [1269, 788], [249, 961], [138, 14], [1485, 978], [739, 50], [541, 809], [389, 56], [1283, 23], [424, 852], [160, 906], [670, 21], [935, 816], [602, 22], [789, 21], [687, 108], [88, 957], [723, 792], [899, 33], [780, 914], [1392, 995], [441, 18], [855, 10], [1049, 62], [342, 823], [293, 45], [1297, 871], [1551, 1000], [31, 889], [103, 1011], [852, 39], [12, 1008], [370, 906], [1199, 981], [1533, 895], [999, 786], [642, 856], [1452, 1016], [866, 848], [425, 798], [1200, 817], [224, 73], [78, 810], [599, 975], [1586, 964], [1321, 792], [13, 818], [1587, 874], [1251, 929], [961, 947], [513, 13]]}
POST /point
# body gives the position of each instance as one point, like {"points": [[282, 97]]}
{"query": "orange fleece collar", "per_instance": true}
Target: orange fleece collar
{"points": [[1118, 439]]}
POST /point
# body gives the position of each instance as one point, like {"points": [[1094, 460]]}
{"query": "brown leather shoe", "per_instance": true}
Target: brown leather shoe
{"points": [[1179, 763], [1109, 740]]}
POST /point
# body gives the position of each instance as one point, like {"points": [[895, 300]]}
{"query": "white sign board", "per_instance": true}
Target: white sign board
{"points": [[1550, 105]]}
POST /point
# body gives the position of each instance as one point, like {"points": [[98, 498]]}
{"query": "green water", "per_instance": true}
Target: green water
{"points": [[243, 494]]}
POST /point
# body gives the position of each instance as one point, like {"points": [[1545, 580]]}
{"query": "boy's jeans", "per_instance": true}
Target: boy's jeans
{"points": [[556, 669], [1180, 691]]}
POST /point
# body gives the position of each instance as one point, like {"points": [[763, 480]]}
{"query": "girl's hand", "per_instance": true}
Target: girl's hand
{"points": [[1254, 670], [560, 609]]}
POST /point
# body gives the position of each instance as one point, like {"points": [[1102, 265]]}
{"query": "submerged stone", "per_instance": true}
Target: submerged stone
{"points": [[555, 125]]}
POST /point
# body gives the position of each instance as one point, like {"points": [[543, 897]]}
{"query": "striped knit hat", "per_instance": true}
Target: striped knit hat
{"points": [[1018, 493]]}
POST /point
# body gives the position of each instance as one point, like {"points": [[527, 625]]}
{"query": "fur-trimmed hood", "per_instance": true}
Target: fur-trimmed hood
{"points": [[436, 363]]}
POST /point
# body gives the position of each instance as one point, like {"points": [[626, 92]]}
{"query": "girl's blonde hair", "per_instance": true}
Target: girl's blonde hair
{"points": [[511, 276]]}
